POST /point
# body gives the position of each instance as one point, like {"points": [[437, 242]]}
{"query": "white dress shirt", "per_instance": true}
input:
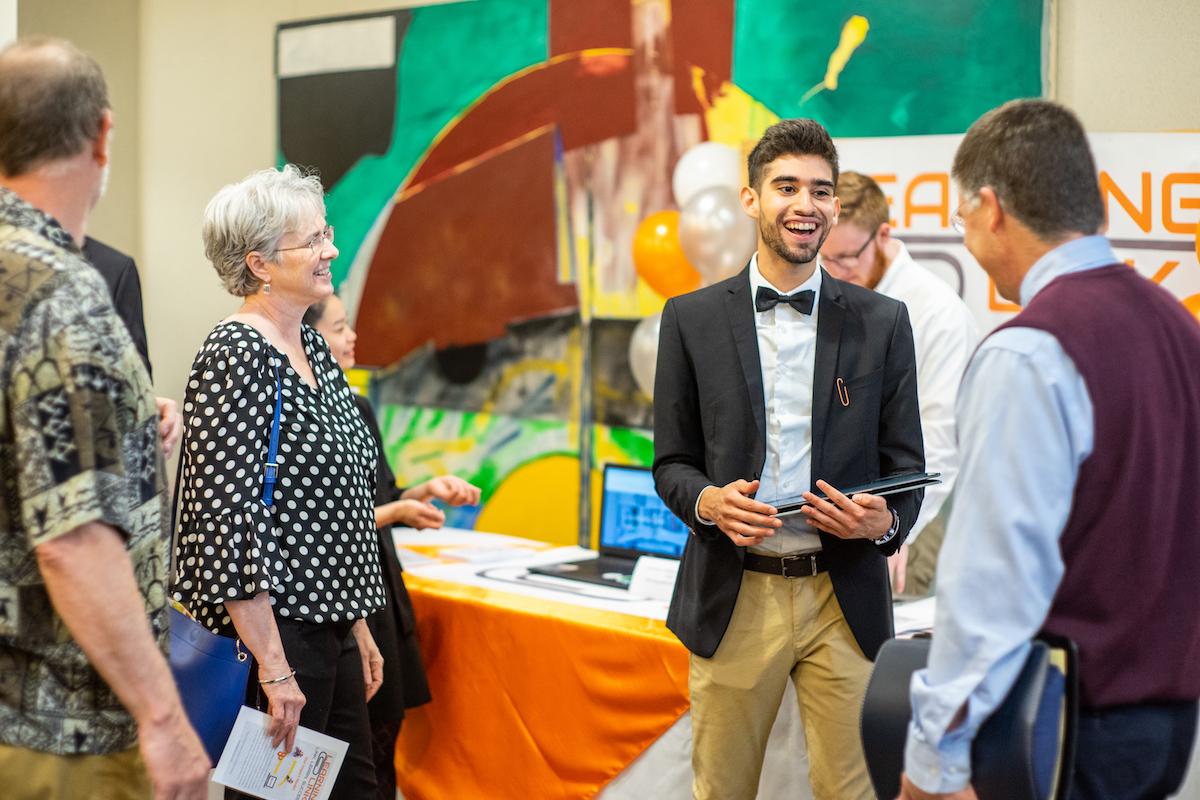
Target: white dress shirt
{"points": [[1025, 426], [945, 335], [787, 349]]}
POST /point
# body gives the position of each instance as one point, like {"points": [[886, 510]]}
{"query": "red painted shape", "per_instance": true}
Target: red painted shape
{"points": [[702, 36], [464, 255], [576, 26], [589, 98]]}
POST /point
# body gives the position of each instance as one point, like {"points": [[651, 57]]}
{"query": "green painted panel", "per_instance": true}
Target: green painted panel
{"points": [[440, 75], [924, 67]]}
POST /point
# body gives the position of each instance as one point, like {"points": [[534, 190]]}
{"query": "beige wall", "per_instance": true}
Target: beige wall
{"points": [[193, 88], [110, 32], [1130, 66], [208, 100]]}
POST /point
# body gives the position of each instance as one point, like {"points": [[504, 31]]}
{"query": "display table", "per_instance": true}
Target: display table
{"points": [[545, 688], [537, 692]]}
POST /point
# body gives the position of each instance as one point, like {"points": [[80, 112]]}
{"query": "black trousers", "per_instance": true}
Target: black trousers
{"points": [[383, 738], [1135, 752], [329, 672]]}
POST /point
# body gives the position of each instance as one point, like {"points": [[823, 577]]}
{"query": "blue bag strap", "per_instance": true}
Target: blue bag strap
{"points": [[272, 468]]}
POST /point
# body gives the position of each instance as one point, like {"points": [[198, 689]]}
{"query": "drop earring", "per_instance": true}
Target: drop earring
{"points": [[266, 288]]}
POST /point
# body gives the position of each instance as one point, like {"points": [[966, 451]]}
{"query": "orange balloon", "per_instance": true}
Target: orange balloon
{"points": [[658, 255]]}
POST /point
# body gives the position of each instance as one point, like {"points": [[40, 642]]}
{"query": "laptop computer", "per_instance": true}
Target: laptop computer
{"points": [[633, 522]]}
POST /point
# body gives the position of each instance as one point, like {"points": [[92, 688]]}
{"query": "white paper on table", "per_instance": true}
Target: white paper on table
{"points": [[411, 558], [250, 764], [915, 616], [484, 554], [653, 578]]}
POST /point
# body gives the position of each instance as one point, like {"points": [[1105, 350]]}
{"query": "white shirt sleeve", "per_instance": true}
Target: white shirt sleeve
{"points": [[947, 340]]}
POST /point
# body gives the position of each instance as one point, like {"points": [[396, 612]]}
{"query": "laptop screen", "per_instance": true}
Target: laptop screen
{"points": [[633, 519]]}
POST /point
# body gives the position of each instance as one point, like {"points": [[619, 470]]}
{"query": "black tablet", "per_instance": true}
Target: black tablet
{"points": [[892, 484]]}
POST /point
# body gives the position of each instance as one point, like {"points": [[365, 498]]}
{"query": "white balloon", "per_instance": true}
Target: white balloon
{"points": [[706, 164], [716, 235], [643, 353]]}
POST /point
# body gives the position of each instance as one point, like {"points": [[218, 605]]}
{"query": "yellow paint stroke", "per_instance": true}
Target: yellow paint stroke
{"points": [[854, 33], [731, 116], [550, 485], [698, 88]]}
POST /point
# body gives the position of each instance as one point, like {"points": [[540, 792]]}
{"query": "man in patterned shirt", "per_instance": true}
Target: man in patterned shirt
{"points": [[88, 707]]}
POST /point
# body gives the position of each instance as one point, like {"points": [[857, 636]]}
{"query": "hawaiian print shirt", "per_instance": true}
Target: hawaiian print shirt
{"points": [[78, 443]]}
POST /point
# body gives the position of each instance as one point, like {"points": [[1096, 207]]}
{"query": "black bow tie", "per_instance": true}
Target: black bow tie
{"points": [[765, 299]]}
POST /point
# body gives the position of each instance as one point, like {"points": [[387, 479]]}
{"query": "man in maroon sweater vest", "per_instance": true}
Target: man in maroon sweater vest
{"points": [[1079, 496]]}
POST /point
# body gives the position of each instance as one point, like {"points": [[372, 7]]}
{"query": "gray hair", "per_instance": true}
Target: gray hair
{"points": [[1035, 155], [254, 215]]}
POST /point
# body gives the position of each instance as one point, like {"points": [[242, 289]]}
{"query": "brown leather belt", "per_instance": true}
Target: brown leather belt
{"points": [[799, 566]]}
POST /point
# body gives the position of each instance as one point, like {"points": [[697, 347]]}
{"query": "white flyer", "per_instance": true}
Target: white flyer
{"points": [[250, 764], [653, 578]]}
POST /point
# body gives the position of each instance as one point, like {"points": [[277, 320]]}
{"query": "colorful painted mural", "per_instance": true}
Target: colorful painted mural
{"points": [[518, 185]]}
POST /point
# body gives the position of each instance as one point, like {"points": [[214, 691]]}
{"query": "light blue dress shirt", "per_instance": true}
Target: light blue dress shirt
{"points": [[1025, 426]]}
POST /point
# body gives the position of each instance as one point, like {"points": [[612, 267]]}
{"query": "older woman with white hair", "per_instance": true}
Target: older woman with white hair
{"points": [[276, 539]]}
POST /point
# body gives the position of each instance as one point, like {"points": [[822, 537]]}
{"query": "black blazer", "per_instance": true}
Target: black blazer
{"points": [[709, 428], [120, 273]]}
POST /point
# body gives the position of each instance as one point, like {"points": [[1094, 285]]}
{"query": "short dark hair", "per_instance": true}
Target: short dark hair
{"points": [[863, 202], [313, 314], [52, 103], [1034, 154], [791, 137]]}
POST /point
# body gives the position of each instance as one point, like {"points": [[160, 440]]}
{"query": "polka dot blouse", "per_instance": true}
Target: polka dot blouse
{"points": [[315, 550]]}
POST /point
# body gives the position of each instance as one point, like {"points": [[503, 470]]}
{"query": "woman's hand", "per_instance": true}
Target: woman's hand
{"points": [[372, 660], [412, 513], [255, 625], [450, 489], [284, 703]]}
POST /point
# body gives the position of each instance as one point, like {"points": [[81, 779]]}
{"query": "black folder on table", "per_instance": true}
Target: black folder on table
{"points": [[1025, 750], [892, 484]]}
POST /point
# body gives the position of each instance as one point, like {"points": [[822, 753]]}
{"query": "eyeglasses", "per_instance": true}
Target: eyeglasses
{"points": [[958, 222], [316, 244], [851, 260]]}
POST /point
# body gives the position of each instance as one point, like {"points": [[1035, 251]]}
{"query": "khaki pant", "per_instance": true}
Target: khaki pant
{"points": [[32, 775], [923, 555], [781, 628]]}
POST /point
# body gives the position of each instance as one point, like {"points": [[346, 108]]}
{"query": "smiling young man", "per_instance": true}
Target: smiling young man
{"points": [[861, 250], [770, 384]]}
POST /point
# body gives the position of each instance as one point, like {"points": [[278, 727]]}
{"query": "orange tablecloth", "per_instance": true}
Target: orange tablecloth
{"points": [[532, 698]]}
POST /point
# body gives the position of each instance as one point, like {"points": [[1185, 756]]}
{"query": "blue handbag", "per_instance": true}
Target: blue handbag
{"points": [[211, 671]]}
